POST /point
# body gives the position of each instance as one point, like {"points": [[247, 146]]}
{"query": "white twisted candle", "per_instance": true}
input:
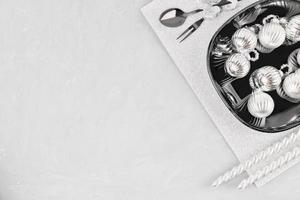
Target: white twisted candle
{"points": [[283, 160], [275, 148]]}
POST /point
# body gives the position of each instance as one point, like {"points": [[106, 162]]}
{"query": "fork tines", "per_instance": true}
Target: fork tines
{"points": [[190, 30]]}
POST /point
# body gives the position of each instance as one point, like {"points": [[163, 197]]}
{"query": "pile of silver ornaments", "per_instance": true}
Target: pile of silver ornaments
{"points": [[248, 43]]}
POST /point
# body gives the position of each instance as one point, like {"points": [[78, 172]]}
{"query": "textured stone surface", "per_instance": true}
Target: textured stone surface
{"points": [[92, 107]]}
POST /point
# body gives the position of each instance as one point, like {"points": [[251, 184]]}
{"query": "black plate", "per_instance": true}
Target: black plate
{"points": [[286, 114]]}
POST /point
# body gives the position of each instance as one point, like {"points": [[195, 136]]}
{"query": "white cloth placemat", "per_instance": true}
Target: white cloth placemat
{"points": [[190, 58]]}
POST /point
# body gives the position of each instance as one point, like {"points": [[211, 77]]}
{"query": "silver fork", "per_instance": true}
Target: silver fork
{"points": [[191, 29]]}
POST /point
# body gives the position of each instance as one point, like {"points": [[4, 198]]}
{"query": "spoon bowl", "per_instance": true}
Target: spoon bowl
{"points": [[175, 17]]}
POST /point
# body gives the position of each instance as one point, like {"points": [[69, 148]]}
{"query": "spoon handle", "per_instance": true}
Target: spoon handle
{"points": [[192, 12]]}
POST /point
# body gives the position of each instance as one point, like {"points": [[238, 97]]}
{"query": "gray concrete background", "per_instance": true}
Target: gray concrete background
{"points": [[92, 107]]}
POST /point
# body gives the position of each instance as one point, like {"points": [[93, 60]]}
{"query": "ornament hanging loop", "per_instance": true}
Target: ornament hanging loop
{"points": [[271, 18], [286, 69], [252, 55]]}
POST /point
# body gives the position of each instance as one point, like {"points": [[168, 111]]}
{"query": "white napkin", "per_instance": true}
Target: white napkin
{"points": [[191, 57]]}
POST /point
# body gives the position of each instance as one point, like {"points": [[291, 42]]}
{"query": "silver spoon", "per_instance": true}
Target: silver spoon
{"points": [[175, 17]]}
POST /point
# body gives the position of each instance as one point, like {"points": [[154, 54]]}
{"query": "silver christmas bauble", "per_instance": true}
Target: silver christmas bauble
{"points": [[298, 57], [244, 40], [267, 78], [260, 104], [291, 85], [272, 35], [237, 65], [280, 91], [293, 29], [263, 49], [293, 60]]}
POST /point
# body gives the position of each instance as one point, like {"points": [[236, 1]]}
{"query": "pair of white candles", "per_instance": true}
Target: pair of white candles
{"points": [[263, 155]]}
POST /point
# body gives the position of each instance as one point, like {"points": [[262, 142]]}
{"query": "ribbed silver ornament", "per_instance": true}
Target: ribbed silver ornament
{"points": [[291, 85], [244, 40], [237, 65], [293, 60], [267, 78], [283, 95], [260, 104], [293, 29], [272, 35], [263, 49]]}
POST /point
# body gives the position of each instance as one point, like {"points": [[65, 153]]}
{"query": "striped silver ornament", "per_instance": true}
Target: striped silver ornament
{"points": [[298, 57], [237, 65], [293, 29], [244, 40], [280, 91], [259, 47], [291, 85], [267, 78], [272, 35], [260, 104], [263, 49], [293, 60]]}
